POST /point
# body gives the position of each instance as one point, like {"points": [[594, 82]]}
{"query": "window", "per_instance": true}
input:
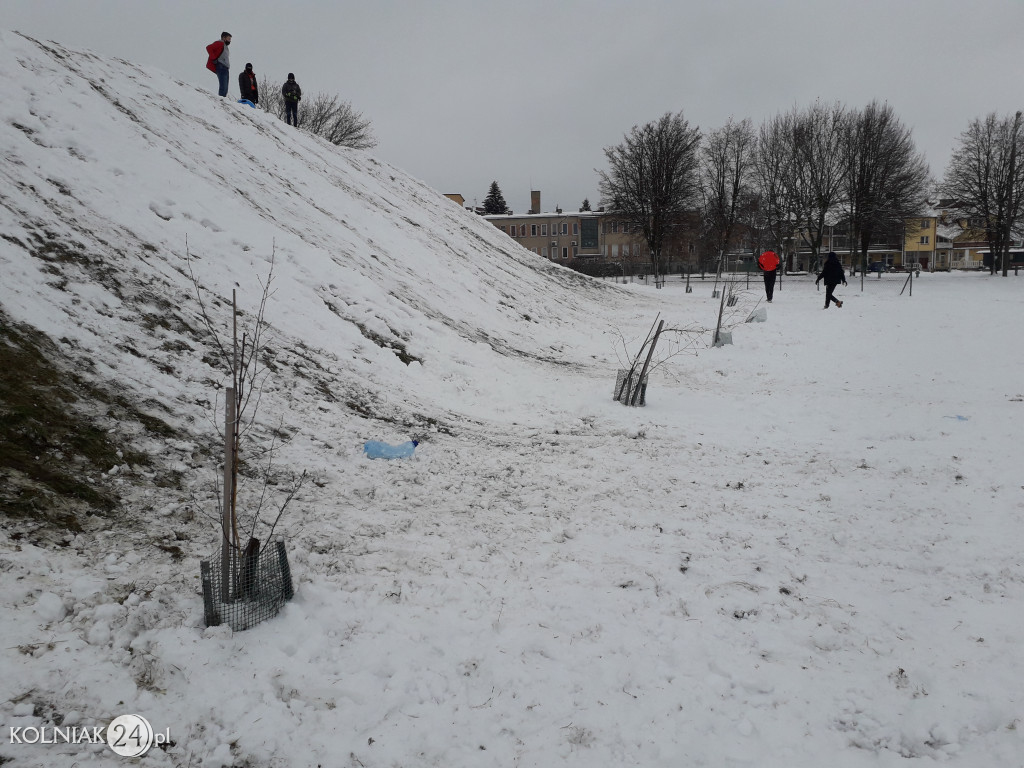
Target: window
{"points": [[565, 228], [533, 230], [575, 227], [545, 252], [924, 239], [615, 226], [502, 227], [565, 251], [625, 228], [543, 230], [522, 230]]}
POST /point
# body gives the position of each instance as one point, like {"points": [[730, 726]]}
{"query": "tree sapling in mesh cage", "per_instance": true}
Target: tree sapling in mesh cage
{"points": [[631, 381], [246, 583]]}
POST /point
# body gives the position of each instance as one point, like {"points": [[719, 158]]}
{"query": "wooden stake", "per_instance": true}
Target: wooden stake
{"points": [[632, 368], [718, 328], [647, 362], [226, 549]]}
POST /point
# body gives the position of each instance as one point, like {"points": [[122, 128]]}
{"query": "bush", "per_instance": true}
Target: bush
{"points": [[323, 115]]}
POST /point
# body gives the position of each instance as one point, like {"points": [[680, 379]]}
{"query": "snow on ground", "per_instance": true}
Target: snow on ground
{"points": [[805, 551]]}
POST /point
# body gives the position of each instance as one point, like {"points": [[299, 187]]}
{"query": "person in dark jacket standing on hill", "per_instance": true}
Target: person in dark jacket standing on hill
{"points": [[247, 85], [219, 61], [832, 273], [292, 96], [768, 262]]}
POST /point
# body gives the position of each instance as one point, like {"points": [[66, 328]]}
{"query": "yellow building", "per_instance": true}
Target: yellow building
{"points": [[919, 242], [935, 241]]}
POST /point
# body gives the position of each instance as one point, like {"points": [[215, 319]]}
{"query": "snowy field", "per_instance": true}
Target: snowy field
{"points": [[806, 550]]}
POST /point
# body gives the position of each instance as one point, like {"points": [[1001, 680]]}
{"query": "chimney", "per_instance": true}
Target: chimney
{"points": [[535, 201]]}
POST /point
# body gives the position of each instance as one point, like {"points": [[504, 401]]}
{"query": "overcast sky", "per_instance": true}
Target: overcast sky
{"points": [[529, 92]]}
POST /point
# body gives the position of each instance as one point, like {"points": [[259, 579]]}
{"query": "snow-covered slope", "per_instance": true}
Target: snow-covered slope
{"points": [[804, 551], [111, 174]]}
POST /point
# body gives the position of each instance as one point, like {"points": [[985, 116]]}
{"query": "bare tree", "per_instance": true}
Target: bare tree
{"points": [[986, 183], [774, 178], [727, 169], [326, 116], [246, 511], [886, 180], [271, 98], [337, 121], [653, 180], [818, 171]]}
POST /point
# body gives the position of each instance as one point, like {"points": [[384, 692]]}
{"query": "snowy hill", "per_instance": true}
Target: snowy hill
{"points": [[388, 301], [111, 171], [804, 551]]}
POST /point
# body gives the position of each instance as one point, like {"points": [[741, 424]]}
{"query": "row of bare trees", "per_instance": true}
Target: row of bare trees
{"points": [[986, 183], [801, 171], [324, 115]]}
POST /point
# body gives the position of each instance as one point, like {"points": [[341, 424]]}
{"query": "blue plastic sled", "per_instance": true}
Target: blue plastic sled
{"points": [[246, 101]]}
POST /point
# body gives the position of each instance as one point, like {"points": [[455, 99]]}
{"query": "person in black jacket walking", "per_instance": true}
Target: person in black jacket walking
{"points": [[247, 85], [292, 96], [832, 273]]}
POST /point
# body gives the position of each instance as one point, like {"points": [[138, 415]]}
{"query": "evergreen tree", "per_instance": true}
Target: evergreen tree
{"points": [[586, 204], [494, 203]]}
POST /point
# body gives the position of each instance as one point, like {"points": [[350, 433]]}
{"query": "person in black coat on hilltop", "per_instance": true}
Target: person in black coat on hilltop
{"points": [[292, 96], [247, 85], [832, 273]]}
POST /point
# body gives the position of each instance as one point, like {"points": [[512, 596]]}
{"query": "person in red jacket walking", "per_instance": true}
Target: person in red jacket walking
{"points": [[768, 262], [219, 62]]}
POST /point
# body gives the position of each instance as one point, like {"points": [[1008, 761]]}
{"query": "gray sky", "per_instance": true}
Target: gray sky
{"points": [[529, 92]]}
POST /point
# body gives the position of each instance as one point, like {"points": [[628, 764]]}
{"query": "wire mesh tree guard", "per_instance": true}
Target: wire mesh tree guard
{"points": [[629, 387], [252, 588]]}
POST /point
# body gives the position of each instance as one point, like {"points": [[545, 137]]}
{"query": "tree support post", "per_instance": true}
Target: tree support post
{"points": [[226, 550], [647, 362]]}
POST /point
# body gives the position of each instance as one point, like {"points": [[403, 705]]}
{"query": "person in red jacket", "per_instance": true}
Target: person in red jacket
{"points": [[247, 87], [768, 262], [218, 62]]}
